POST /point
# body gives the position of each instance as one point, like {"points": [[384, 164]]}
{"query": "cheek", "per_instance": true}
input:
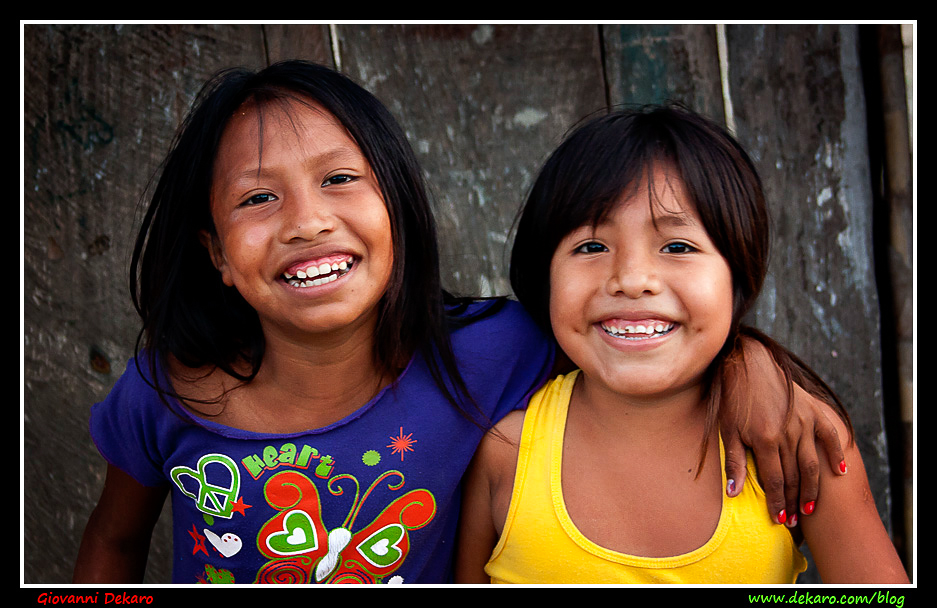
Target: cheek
{"points": [[382, 240], [556, 302], [714, 300], [253, 239], [242, 253], [568, 305], [726, 295]]}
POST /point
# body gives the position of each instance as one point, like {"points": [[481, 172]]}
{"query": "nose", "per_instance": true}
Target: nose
{"points": [[633, 274], [307, 215]]}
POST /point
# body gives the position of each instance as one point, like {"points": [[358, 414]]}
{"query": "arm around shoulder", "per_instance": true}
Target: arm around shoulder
{"points": [[116, 540], [784, 430], [845, 534]]}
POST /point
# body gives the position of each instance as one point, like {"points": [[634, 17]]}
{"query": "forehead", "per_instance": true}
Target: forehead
{"points": [[260, 133], [659, 197], [277, 117]]}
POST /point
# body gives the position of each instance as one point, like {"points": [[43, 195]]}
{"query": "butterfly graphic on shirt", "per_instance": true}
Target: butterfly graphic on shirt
{"points": [[301, 549]]}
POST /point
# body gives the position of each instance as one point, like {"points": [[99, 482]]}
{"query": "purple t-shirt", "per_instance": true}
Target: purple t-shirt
{"points": [[372, 498]]}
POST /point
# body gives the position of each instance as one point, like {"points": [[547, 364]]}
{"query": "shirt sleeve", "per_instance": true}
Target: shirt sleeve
{"points": [[504, 358], [127, 425]]}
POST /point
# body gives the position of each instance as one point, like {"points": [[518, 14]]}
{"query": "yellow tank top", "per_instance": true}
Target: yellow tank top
{"points": [[540, 544]]}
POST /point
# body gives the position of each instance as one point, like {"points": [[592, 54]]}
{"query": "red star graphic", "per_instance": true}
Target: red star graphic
{"points": [[199, 541], [239, 506]]}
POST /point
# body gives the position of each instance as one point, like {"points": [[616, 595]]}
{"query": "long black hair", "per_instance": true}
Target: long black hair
{"points": [[607, 158], [189, 314]]}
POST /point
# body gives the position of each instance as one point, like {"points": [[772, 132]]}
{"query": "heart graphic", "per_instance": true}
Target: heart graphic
{"points": [[381, 548], [297, 536]]}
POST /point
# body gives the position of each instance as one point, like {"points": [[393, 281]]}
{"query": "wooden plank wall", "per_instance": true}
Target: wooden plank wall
{"points": [[482, 105]]}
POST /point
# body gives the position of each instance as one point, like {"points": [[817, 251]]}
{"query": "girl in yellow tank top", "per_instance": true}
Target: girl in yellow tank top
{"points": [[642, 245]]}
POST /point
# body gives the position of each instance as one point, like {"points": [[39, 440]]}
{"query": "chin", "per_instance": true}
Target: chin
{"points": [[647, 384]]}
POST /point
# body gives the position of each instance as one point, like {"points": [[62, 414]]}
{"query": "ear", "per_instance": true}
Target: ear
{"points": [[216, 253]]}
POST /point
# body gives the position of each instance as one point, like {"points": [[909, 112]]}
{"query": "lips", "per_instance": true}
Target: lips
{"points": [[312, 273]]}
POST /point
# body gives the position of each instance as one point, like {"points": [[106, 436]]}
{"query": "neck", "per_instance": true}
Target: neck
{"points": [[302, 384], [641, 419], [330, 371]]}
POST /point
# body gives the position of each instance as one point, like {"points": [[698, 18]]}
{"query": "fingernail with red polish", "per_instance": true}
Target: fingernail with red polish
{"points": [[793, 521], [808, 508], [782, 517], [730, 487], [842, 467]]}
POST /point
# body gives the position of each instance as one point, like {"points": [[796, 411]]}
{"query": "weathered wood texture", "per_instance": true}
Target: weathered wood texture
{"points": [[802, 114], [482, 106]]}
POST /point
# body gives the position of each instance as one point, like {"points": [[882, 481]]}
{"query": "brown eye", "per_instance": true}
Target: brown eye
{"points": [[259, 199], [678, 248], [591, 247], [337, 179]]}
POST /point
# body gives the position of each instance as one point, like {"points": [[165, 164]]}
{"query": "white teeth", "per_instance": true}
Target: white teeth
{"points": [[322, 281], [305, 278], [628, 330], [313, 282]]}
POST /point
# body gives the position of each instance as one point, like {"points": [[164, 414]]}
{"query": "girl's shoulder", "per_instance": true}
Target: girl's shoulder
{"points": [[498, 330], [148, 388], [501, 354], [139, 381], [497, 452], [492, 317], [130, 424], [463, 311]]}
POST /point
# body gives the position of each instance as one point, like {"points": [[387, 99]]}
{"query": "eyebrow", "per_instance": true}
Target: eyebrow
{"points": [[677, 220], [337, 154]]}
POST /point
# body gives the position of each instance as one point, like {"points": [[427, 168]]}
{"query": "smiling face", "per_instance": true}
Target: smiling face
{"points": [[642, 301], [300, 225]]}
